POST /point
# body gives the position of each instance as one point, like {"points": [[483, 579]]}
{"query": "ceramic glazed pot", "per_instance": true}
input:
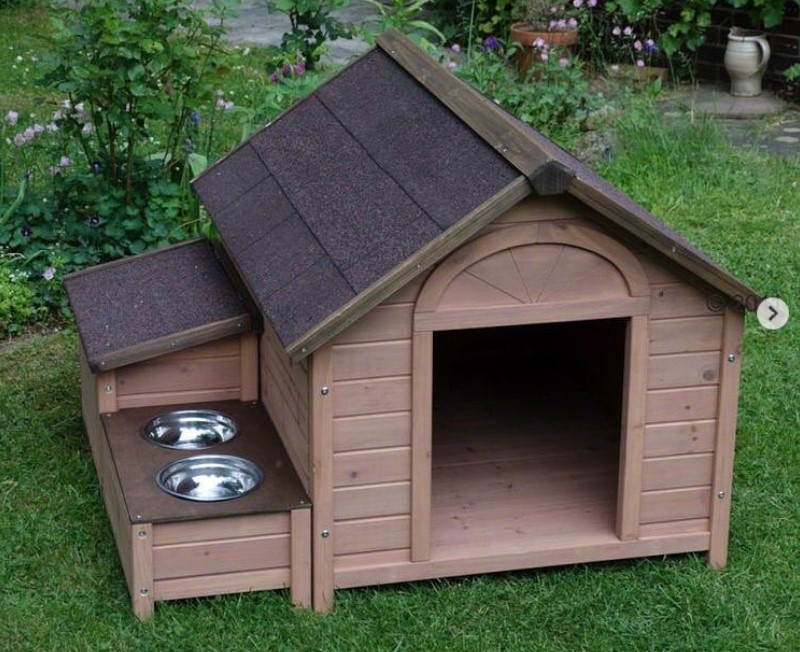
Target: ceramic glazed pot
{"points": [[525, 36], [746, 60]]}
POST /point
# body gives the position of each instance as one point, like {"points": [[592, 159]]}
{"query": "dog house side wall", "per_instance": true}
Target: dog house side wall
{"points": [[284, 393], [372, 385], [221, 370]]}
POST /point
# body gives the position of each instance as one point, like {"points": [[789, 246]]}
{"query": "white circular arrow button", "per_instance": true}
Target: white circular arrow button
{"points": [[772, 313]]}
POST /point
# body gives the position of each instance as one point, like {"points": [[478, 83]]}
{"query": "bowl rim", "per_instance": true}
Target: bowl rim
{"points": [[217, 415], [234, 460]]}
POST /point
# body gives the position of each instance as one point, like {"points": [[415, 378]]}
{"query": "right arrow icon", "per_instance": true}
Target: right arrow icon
{"points": [[773, 313]]}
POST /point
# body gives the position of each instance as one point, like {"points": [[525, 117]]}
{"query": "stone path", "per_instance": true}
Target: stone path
{"points": [[765, 122]]}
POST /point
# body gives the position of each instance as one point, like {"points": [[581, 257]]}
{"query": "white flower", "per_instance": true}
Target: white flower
{"points": [[49, 274]]}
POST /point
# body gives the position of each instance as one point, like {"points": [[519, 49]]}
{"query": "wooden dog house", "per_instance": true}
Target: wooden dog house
{"points": [[477, 355]]}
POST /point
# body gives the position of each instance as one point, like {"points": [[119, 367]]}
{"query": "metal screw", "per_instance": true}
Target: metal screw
{"points": [[731, 357], [503, 149], [325, 534], [238, 324], [144, 591], [109, 389], [102, 364], [172, 343], [721, 495], [141, 534], [325, 391], [138, 516]]}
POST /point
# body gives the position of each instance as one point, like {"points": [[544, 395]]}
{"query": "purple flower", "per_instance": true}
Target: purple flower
{"points": [[19, 139], [544, 56], [490, 43], [650, 47], [87, 128], [637, 45], [38, 129], [286, 69], [639, 63], [94, 221], [194, 118], [26, 231], [300, 69], [219, 93], [561, 24], [539, 43], [229, 106], [188, 146], [616, 31], [572, 23], [274, 78], [563, 62], [12, 117], [64, 162], [52, 127], [592, 3], [628, 30], [455, 48], [452, 65], [577, 3], [29, 134], [49, 274]]}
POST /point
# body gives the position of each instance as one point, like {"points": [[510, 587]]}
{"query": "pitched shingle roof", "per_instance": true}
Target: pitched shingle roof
{"points": [[379, 174]]}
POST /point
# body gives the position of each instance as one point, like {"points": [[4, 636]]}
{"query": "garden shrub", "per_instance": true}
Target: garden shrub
{"points": [[107, 173], [553, 97], [16, 301]]}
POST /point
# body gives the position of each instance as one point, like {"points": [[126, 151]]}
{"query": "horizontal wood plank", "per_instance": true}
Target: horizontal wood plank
{"points": [[372, 396], [220, 584], [372, 534], [687, 526], [685, 335], [677, 472], [694, 403], [387, 571], [221, 556], [372, 431], [676, 504], [542, 209], [683, 370], [372, 360], [170, 398], [678, 300], [157, 376], [384, 322], [372, 500], [559, 311], [220, 528], [679, 438], [371, 466]]}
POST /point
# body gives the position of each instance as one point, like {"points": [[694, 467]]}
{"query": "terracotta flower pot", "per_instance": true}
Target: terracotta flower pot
{"points": [[525, 36]]}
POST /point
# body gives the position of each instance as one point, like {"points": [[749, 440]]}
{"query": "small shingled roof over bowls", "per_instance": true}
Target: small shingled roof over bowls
{"points": [[190, 429], [209, 478]]}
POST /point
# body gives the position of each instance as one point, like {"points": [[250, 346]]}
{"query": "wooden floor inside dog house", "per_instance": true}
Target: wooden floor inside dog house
{"points": [[526, 438]]}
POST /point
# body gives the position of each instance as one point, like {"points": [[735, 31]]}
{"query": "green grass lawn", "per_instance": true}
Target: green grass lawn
{"points": [[62, 588]]}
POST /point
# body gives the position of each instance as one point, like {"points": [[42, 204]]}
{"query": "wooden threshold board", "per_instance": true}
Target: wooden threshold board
{"points": [[520, 470]]}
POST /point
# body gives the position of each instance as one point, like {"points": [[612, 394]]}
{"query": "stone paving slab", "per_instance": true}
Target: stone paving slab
{"points": [[254, 25]]}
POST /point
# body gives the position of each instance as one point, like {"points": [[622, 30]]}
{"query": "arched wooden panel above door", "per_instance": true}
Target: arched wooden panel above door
{"points": [[533, 273]]}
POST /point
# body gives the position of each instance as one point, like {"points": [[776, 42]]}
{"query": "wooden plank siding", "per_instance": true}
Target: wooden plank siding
{"points": [[684, 367], [372, 391], [372, 429], [209, 372], [284, 393]]}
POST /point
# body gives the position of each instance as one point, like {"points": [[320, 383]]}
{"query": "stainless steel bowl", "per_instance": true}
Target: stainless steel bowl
{"points": [[190, 429], [209, 478]]}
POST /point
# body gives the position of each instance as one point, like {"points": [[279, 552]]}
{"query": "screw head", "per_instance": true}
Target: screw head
{"points": [[721, 495], [141, 534], [731, 357], [325, 534], [144, 591], [108, 389], [325, 391]]}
